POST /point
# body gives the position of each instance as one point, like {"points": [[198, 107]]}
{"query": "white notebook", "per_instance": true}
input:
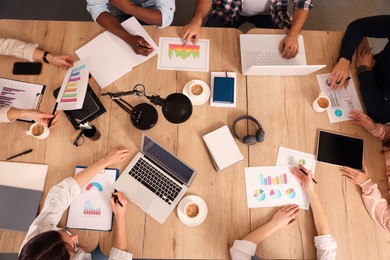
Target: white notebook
{"points": [[222, 147], [111, 57]]}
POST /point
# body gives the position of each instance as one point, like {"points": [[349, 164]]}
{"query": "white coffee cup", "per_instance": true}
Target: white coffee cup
{"points": [[191, 209], [196, 90], [38, 131], [321, 103]]}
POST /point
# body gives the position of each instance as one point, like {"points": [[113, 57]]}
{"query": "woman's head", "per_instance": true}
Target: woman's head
{"points": [[51, 245]]}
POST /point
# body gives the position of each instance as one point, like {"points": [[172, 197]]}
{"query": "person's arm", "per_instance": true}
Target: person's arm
{"points": [[376, 206], [148, 15], [246, 248], [111, 24], [289, 47], [192, 30], [36, 115], [377, 130], [57, 60]]}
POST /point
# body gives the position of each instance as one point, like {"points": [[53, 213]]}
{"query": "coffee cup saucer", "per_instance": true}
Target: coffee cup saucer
{"points": [[192, 222], [203, 98]]}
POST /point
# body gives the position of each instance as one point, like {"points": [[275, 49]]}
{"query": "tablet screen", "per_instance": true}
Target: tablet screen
{"points": [[340, 150]]}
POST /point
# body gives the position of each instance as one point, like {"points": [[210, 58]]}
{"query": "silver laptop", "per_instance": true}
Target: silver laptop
{"points": [[260, 56], [155, 180]]}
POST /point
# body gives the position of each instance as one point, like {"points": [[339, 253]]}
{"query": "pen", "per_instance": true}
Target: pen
{"points": [[143, 46], [307, 175], [51, 119], [116, 199], [338, 82], [19, 154]]}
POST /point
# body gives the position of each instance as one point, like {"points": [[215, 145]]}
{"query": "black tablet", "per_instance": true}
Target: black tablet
{"points": [[340, 149], [92, 108]]}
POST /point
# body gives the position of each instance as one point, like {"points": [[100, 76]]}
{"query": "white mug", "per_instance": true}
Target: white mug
{"points": [[38, 131], [196, 89], [321, 103]]}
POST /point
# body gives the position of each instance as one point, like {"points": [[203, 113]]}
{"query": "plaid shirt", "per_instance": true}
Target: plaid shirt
{"points": [[230, 10]]}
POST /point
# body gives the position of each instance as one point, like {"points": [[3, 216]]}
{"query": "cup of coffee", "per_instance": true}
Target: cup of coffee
{"points": [[191, 210], [196, 90], [321, 103], [38, 131]]}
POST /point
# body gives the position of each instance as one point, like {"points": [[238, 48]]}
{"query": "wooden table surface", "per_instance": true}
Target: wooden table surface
{"points": [[282, 105]]}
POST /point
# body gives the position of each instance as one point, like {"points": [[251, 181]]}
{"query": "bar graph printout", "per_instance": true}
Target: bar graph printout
{"points": [[91, 209], [20, 94], [273, 186], [173, 55], [342, 100], [74, 86]]}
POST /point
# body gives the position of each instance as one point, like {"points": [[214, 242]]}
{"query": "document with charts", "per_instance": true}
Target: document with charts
{"points": [[342, 101], [91, 209], [273, 186]]}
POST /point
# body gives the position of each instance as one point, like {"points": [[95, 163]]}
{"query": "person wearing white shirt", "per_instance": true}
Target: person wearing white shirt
{"points": [[324, 242], [153, 12], [45, 240]]}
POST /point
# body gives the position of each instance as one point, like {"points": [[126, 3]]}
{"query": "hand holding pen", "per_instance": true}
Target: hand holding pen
{"points": [[141, 46], [118, 203], [305, 177]]}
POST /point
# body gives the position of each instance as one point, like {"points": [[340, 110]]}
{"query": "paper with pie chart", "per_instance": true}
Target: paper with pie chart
{"points": [[91, 209], [342, 100], [272, 186], [173, 55]]}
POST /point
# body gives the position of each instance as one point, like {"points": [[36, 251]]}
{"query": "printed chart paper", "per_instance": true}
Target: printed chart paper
{"points": [[91, 209], [273, 186], [74, 86], [342, 101], [292, 158], [173, 55]]}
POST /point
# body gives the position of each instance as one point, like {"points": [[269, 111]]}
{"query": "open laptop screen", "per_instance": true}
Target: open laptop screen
{"points": [[166, 160]]}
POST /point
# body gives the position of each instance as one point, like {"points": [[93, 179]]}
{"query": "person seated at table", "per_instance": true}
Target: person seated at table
{"points": [[377, 206], [31, 52], [10, 114], [258, 13], [285, 217], [372, 70], [44, 240], [153, 12]]}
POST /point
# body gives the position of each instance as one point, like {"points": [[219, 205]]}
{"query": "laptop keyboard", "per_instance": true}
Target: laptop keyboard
{"points": [[257, 58], [155, 181]]}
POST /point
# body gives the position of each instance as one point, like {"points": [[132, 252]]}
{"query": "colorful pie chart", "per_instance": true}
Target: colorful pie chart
{"points": [[290, 193], [94, 186], [275, 194], [259, 195]]}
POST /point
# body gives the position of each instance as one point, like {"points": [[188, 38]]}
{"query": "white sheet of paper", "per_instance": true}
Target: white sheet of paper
{"points": [[111, 57], [174, 56], [292, 158], [223, 74], [74, 86], [91, 209], [273, 186], [342, 100]]}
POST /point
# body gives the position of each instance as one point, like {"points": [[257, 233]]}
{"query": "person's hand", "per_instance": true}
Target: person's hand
{"points": [[61, 60], [356, 176], [118, 210], [363, 120], [117, 155], [191, 30], [289, 46], [364, 57], [305, 179], [123, 5], [285, 216], [140, 46], [340, 74], [42, 118]]}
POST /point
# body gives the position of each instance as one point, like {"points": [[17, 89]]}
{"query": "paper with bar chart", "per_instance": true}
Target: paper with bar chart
{"points": [[174, 55], [20, 94], [342, 101], [292, 158], [272, 186], [74, 86], [91, 209]]}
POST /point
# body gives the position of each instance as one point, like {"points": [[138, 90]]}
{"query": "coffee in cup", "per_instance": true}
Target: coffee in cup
{"points": [[38, 131], [196, 89], [191, 210], [321, 103]]}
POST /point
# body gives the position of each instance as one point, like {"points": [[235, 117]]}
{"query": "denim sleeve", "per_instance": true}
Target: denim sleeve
{"points": [[96, 7], [167, 9]]}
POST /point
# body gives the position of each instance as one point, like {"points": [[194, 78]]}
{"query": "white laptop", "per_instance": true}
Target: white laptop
{"points": [[155, 180], [260, 56]]}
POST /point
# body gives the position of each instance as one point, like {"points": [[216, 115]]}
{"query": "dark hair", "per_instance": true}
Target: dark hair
{"points": [[46, 246]]}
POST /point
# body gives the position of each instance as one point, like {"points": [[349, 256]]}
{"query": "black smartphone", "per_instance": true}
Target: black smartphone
{"points": [[27, 68]]}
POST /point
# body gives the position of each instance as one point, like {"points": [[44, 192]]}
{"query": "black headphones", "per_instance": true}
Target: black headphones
{"points": [[250, 139]]}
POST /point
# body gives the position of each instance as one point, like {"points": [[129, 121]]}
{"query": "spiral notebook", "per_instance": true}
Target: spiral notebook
{"points": [[21, 188]]}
